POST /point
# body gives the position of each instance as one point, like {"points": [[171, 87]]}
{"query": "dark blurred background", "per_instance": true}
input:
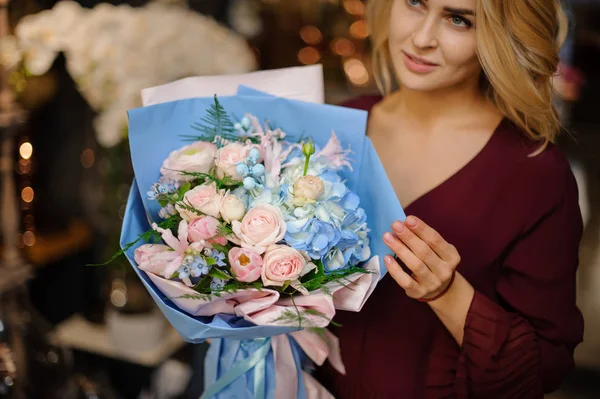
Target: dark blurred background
{"points": [[93, 332]]}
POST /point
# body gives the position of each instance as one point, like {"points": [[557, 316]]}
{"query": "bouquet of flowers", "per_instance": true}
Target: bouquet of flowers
{"points": [[258, 233]]}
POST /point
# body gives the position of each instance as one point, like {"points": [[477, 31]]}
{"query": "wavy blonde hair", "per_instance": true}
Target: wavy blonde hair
{"points": [[517, 45]]}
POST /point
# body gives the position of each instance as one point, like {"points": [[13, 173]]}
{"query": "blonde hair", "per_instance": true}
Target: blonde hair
{"points": [[517, 45]]}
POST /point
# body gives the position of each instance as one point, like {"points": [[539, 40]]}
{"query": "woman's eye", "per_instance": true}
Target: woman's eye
{"points": [[414, 3], [460, 22]]}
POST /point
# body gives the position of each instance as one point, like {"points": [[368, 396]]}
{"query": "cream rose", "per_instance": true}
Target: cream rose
{"points": [[197, 157], [309, 187], [205, 198], [261, 227], [232, 208]]}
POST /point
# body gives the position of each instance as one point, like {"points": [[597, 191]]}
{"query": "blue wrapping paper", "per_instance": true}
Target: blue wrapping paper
{"points": [[156, 130]]}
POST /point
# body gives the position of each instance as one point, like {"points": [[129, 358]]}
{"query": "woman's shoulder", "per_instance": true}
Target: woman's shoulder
{"points": [[364, 102], [533, 153], [541, 173]]}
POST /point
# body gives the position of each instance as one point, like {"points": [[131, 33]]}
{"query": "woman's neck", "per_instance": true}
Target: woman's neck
{"points": [[431, 109]]}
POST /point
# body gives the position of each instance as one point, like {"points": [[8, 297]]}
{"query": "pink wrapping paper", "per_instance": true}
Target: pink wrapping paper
{"points": [[266, 307]]}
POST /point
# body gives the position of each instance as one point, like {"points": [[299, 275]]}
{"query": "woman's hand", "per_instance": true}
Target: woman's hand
{"points": [[431, 259]]}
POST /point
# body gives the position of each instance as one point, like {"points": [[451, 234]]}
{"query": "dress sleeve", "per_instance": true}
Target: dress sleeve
{"points": [[521, 345]]}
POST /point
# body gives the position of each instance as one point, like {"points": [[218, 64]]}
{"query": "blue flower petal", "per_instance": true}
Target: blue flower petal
{"points": [[330, 176], [319, 242], [351, 201]]}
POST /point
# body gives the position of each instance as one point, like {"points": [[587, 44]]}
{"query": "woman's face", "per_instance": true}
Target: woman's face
{"points": [[432, 43]]}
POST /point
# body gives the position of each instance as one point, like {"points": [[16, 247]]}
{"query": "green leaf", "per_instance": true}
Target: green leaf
{"points": [[203, 285], [184, 189], [221, 248], [317, 274], [229, 182], [210, 261], [216, 123], [220, 274], [189, 208], [163, 202], [320, 268], [150, 235], [286, 284]]}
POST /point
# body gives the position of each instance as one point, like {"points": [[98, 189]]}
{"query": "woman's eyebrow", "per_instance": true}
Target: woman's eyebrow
{"points": [[459, 11]]}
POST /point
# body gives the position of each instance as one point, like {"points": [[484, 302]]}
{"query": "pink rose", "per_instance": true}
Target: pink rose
{"points": [[282, 263], [205, 229], [245, 264], [228, 157], [205, 198], [261, 227], [154, 258], [196, 157]]}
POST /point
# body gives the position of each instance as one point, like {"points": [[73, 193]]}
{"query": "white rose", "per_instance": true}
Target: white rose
{"points": [[197, 157], [309, 187], [232, 208]]}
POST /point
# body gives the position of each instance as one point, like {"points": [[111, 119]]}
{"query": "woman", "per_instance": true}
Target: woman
{"points": [[480, 299]]}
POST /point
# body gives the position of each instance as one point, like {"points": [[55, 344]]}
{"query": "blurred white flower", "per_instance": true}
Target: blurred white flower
{"points": [[244, 18], [38, 60], [113, 52], [111, 125], [10, 53]]}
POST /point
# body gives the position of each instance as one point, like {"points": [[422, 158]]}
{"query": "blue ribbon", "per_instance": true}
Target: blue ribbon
{"points": [[257, 360]]}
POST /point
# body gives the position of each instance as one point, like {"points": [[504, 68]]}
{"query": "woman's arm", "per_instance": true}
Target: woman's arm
{"points": [[520, 344]]}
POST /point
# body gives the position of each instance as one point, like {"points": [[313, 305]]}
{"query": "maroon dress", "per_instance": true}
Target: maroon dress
{"points": [[516, 223]]}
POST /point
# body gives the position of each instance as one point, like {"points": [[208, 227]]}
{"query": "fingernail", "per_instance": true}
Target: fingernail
{"points": [[388, 237], [397, 226], [388, 259], [411, 221]]}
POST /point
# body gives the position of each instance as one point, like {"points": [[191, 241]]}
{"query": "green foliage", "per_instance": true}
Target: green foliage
{"points": [[290, 317], [317, 280], [216, 122], [148, 236], [220, 274], [216, 126], [221, 248], [200, 178], [183, 189]]}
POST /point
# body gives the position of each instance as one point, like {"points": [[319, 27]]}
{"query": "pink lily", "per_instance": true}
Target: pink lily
{"points": [[166, 259], [335, 153]]}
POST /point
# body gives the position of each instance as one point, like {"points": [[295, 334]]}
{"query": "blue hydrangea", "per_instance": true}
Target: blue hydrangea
{"points": [[313, 236], [333, 229], [330, 176], [353, 246]]}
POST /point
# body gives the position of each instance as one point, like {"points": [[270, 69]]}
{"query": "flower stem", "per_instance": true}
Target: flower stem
{"points": [[307, 158], [307, 149]]}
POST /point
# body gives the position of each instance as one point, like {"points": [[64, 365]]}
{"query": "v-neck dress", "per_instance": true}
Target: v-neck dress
{"points": [[516, 223]]}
